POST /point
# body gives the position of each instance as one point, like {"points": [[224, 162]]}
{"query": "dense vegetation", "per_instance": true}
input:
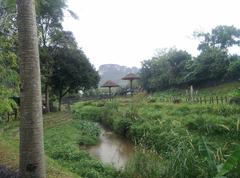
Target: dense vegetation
{"points": [[174, 140], [65, 142], [176, 68], [59, 75]]}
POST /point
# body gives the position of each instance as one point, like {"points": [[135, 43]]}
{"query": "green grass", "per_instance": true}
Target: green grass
{"points": [[192, 139], [226, 89], [62, 143], [182, 140], [65, 141]]}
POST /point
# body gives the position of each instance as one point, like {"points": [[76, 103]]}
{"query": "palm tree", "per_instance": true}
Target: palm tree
{"points": [[31, 126]]}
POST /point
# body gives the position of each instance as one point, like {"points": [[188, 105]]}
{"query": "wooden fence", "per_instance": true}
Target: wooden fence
{"points": [[200, 100]]}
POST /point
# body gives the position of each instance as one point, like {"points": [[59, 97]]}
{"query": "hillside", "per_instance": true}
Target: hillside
{"points": [[115, 72], [224, 89]]}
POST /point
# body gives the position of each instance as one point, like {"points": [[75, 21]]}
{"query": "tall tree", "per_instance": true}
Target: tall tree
{"points": [[49, 19], [210, 66], [164, 70], [72, 71], [220, 37], [9, 80], [31, 125]]}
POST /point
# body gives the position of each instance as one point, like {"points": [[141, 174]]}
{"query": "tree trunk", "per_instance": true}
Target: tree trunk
{"points": [[60, 99], [47, 98], [59, 103], [31, 124]]}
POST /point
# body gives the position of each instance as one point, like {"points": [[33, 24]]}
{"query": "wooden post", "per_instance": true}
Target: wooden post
{"points": [[226, 99], [191, 92], [217, 99], [131, 87], [222, 99], [110, 92]]}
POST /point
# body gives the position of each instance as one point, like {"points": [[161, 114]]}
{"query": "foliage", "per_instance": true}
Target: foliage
{"points": [[72, 71], [164, 70], [175, 132], [9, 80], [210, 65], [144, 164], [221, 37], [175, 68], [62, 144], [231, 166], [92, 113]]}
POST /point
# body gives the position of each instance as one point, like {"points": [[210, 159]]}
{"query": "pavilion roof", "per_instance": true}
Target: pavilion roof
{"points": [[131, 76], [110, 83]]}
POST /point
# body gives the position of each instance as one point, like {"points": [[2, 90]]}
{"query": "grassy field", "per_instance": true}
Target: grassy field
{"points": [[227, 89], [184, 140], [174, 140], [63, 138]]}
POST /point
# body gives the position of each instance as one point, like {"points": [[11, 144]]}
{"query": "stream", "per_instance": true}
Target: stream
{"points": [[112, 149]]}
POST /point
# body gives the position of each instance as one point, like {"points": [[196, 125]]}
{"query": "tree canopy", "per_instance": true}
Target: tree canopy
{"points": [[72, 71], [52, 40], [214, 64]]}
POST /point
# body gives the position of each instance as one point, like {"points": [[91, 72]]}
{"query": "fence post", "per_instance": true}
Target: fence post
{"points": [[222, 99], [226, 99], [217, 99]]}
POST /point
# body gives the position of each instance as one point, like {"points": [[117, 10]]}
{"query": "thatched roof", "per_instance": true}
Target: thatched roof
{"points": [[131, 76], [110, 83]]}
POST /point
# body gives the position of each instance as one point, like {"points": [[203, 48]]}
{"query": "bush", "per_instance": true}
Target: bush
{"points": [[235, 100], [88, 112], [151, 99], [144, 164], [61, 144], [121, 125]]}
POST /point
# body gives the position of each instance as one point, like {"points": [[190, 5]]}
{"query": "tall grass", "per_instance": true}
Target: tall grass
{"points": [[175, 132]]}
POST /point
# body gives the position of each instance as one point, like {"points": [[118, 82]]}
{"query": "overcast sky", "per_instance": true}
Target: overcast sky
{"points": [[127, 32]]}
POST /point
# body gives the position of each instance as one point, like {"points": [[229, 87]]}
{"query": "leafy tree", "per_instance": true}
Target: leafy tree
{"points": [[210, 65], [164, 70], [61, 39], [9, 80], [220, 37], [72, 71], [177, 61], [233, 70], [49, 19]]}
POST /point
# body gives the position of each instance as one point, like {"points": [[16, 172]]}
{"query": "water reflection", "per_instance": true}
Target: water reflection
{"points": [[112, 149]]}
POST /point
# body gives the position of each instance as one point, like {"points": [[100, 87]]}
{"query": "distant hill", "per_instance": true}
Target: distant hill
{"points": [[115, 72]]}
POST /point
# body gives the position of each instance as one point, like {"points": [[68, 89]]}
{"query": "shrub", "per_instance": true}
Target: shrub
{"points": [[235, 100], [121, 125], [144, 164], [177, 100], [88, 112], [151, 100]]}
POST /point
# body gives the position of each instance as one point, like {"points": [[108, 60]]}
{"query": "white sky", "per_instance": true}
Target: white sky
{"points": [[127, 32]]}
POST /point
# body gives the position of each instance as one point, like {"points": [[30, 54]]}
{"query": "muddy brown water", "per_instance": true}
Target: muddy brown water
{"points": [[112, 149]]}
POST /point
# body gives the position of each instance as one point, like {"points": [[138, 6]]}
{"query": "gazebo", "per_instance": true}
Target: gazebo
{"points": [[131, 77], [109, 84]]}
